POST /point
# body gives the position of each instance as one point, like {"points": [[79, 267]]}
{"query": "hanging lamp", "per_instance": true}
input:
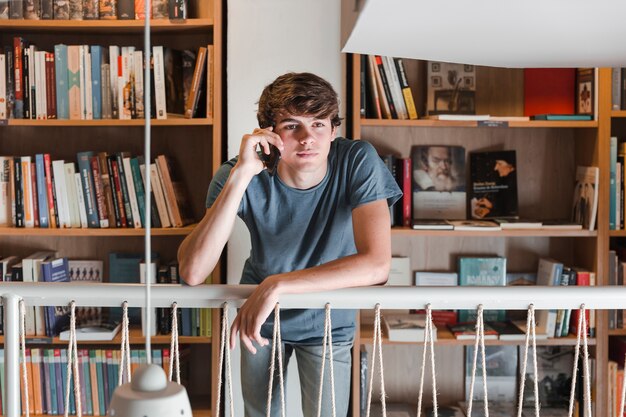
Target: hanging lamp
{"points": [[149, 394]]}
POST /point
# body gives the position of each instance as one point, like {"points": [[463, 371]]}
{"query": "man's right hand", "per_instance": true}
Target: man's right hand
{"points": [[249, 160]]}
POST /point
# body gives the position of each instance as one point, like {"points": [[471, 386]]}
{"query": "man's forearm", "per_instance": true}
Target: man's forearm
{"points": [[357, 270], [200, 251]]}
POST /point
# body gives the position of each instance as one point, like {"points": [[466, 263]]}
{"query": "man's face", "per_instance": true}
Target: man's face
{"points": [[439, 162], [306, 141], [503, 168]]}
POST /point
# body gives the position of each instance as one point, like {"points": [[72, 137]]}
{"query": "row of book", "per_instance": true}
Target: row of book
{"points": [[490, 271], [91, 9], [47, 322], [617, 267], [435, 189], [617, 353], [98, 372], [83, 82], [450, 90], [504, 364], [105, 190], [385, 91]]}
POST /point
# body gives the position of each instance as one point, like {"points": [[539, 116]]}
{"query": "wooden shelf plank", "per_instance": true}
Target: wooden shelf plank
{"points": [[618, 113], [135, 339], [399, 231], [86, 232], [617, 233], [617, 332], [174, 120], [451, 123], [446, 338], [108, 26]]}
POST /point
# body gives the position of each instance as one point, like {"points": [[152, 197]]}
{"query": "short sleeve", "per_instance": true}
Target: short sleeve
{"points": [[217, 184], [370, 179]]}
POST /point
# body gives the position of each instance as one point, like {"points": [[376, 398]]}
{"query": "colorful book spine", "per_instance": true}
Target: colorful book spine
{"points": [[42, 194], [96, 80], [84, 167], [49, 191], [73, 86], [613, 184]]}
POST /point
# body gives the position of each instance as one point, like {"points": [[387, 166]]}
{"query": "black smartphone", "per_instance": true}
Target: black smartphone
{"points": [[270, 161]]}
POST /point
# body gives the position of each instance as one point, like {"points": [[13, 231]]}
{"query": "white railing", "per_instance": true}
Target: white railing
{"points": [[213, 296]]}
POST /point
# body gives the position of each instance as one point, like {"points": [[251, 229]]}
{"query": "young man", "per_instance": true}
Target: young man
{"points": [[319, 223]]}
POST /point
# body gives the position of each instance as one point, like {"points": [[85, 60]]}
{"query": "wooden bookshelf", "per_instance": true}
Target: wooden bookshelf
{"points": [[195, 145], [121, 232], [135, 335], [547, 155]]}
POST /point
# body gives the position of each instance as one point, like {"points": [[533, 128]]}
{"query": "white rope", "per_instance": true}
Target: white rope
{"points": [[72, 359], [480, 338], [276, 351], [224, 350], [22, 310], [428, 342], [530, 334], [328, 341], [125, 347], [174, 352], [581, 331], [377, 347]]}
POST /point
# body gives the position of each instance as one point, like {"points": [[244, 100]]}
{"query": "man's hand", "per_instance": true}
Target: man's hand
{"points": [[249, 159], [253, 314]]}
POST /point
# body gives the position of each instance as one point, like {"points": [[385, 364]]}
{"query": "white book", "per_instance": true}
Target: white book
{"points": [[88, 85], [27, 189], [460, 117], [80, 196], [436, 279], [6, 192], [155, 183], [132, 195], [31, 85], [58, 172], [31, 266], [72, 198], [159, 82], [104, 331], [114, 52], [36, 72], [138, 72], [400, 271], [83, 89], [406, 327], [3, 90], [121, 82], [475, 225], [394, 86], [42, 103]]}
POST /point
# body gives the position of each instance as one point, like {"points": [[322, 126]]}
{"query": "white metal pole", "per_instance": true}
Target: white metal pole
{"points": [[11, 354]]}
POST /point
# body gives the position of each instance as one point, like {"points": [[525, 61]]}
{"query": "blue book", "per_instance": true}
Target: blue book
{"points": [[61, 75], [51, 385], [89, 188], [57, 318], [100, 379], [613, 185], [488, 271], [42, 195], [85, 380], [124, 269], [139, 190], [96, 80]]}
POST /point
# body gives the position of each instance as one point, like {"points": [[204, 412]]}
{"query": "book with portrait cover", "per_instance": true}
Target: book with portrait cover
{"points": [[438, 182], [493, 191], [585, 203]]}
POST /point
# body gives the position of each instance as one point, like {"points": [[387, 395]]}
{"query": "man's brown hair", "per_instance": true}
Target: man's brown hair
{"points": [[300, 94]]}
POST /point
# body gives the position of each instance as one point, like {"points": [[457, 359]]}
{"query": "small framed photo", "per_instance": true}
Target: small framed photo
{"points": [[435, 81], [435, 67], [585, 91], [468, 68]]}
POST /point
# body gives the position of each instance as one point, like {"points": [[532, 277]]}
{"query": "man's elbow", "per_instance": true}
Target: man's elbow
{"points": [[380, 270], [189, 274]]}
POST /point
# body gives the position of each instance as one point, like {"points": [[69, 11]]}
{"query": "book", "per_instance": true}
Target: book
{"points": [[460, 117], [406, 327], [103, 332], [400, 271], [451, 88], [514, 224], [561, 117], [585, 202], [585, 81], [431, 224], [436, 278], [438, 182], [475, 225], [467, 331], [493, 190], [507, 330], [199, 74], [549, 91], [483, 271], [560, 224]]}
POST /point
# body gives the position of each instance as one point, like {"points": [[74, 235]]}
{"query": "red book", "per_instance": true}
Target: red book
{"points": [[103, 215], [117, 185], [49, 190], [407, 194], [582, 279], [549, 91]]}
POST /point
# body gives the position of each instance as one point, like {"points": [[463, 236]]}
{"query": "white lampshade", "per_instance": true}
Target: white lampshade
{"points": [[515, 34], [150, 394]]}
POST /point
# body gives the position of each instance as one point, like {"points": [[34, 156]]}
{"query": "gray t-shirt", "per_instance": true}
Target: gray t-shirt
{"points": [[293, 229]]}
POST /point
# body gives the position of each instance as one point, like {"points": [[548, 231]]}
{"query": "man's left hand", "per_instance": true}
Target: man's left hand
{"points": [[253, 314]]}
